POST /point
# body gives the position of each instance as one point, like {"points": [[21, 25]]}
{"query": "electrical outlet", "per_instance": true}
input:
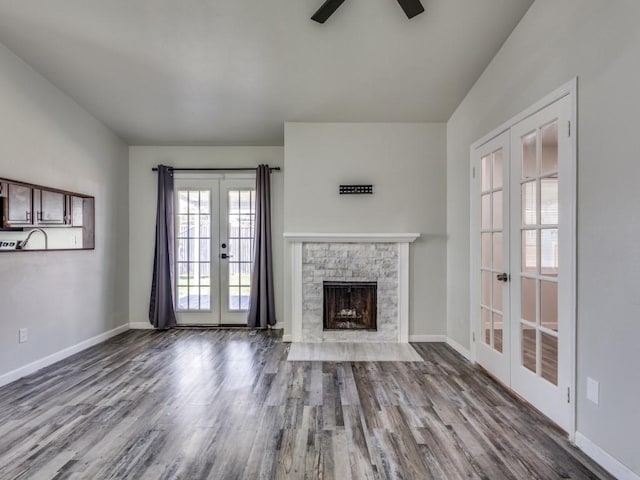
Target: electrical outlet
{"points": [[593, 390], [23, 335], [74, 240]]}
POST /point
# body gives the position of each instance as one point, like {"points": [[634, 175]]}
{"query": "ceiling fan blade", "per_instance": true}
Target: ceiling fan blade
{"points": [[326, 10], [411, 7]]}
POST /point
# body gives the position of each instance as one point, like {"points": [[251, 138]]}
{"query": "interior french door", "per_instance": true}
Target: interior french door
{"points": [[214, 228], [524, 198], [493, 164]]}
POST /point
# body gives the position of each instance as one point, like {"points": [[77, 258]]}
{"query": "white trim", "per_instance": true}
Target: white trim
{"points": [[296, 292], [351, 237], [33, 367], [140, 326], [569, 88], [459, 348], [287, 338], [403, 292], [606, 461], [427, 338]]}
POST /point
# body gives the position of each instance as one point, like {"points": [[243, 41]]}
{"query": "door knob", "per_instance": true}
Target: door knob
{"points": [[503, 277], [224, 255]]}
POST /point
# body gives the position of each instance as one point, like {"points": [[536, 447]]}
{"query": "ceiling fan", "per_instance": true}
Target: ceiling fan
{"points": [[411, 9]]}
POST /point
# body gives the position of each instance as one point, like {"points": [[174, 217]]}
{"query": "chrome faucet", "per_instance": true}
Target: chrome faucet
{"points": [[23, 243]]}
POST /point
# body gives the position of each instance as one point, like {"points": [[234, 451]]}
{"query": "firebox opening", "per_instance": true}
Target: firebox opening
{"points": [[349, 305]]}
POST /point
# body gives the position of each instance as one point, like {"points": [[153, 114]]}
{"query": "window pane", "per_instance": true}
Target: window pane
{"points": [[193, 226], [234, 202], [204, 202], [529, 156], [528, 347], [234, 298], [205, 274], [497, 169], [183, 201], [194, 273], [549, 346], [183, 298], [549, 305], [486, 325], [183, 250], [485, 250], [530, 251], [245, 272], [486, 212], [549, 201], [194, 201], [234, 274], [194, 250], [549, 148], [497, 332], [529, 204], [205, 298], [194, 298], [183, 225], [205, 226], [549, 251], [205, 250], [245, 201], [497, 251], [497, 210], [485, 175], [497, 293], [234, 226], [183, 274], [245, 250], [485, 295], [528, 299], [245, 292]]}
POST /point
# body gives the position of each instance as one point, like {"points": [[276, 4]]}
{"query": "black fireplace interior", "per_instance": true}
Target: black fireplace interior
{"points": [[349, 305]]}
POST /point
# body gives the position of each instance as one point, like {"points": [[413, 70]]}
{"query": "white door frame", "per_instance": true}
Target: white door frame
{"points": [[568, 89]]}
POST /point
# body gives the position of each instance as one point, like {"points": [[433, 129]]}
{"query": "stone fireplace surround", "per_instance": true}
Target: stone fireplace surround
{"points": [[381, 257]]}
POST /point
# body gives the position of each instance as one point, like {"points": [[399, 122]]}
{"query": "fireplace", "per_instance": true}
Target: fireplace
{"points": [[349, 305]]}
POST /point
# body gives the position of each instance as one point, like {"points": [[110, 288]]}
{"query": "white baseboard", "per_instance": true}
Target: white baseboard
{"points": [[140, 326], [287, 338], [606, 461], [459, 348], [32, 367], [427, 338]]}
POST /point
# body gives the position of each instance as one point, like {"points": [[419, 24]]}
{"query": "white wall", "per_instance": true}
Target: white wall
{"points": [[599, 42], [63, 298], [143, 191], [406, 164]]}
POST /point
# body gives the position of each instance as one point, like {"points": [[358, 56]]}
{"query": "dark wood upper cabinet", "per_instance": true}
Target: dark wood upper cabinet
{"points": [[26, 206], [18, 205]]}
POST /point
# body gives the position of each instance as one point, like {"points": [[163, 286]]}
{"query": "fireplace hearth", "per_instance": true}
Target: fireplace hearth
{"points": [[349, 305]]}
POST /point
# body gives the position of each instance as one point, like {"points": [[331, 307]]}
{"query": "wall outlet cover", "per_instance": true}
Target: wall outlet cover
{"points": [[593, 390], [23, 335]]}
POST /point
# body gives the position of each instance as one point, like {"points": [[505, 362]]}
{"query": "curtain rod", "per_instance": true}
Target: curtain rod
{"points": [[203, 169]]}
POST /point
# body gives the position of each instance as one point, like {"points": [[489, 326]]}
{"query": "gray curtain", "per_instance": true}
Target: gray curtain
{"points": [[161, 307], [261, 305]]}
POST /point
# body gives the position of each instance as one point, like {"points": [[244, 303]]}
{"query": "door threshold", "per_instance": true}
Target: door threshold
{"points": [[213, 326]]}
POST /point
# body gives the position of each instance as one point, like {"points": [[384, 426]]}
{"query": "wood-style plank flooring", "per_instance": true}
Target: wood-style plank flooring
{"points": [[225, 404]]}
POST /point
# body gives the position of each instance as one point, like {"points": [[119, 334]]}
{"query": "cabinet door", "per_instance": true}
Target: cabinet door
{"points": [[76, 211], [20, 205], [51, 207]]}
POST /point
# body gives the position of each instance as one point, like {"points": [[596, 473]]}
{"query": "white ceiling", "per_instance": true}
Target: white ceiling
{"points": [[231, 72]]}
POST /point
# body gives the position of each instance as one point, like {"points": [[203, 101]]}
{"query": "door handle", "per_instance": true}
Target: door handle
{"points": [[503, 277], [224, 255]]}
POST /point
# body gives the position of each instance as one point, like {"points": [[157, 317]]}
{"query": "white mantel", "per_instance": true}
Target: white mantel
{"points": [[402, 240], [351, 237]]}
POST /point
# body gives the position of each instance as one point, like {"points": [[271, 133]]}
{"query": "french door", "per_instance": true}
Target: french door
{"points": [[524, 200], [214, 229]]}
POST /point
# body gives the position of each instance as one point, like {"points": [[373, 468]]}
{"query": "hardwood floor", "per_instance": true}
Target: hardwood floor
{"points": [[197, 404]]}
